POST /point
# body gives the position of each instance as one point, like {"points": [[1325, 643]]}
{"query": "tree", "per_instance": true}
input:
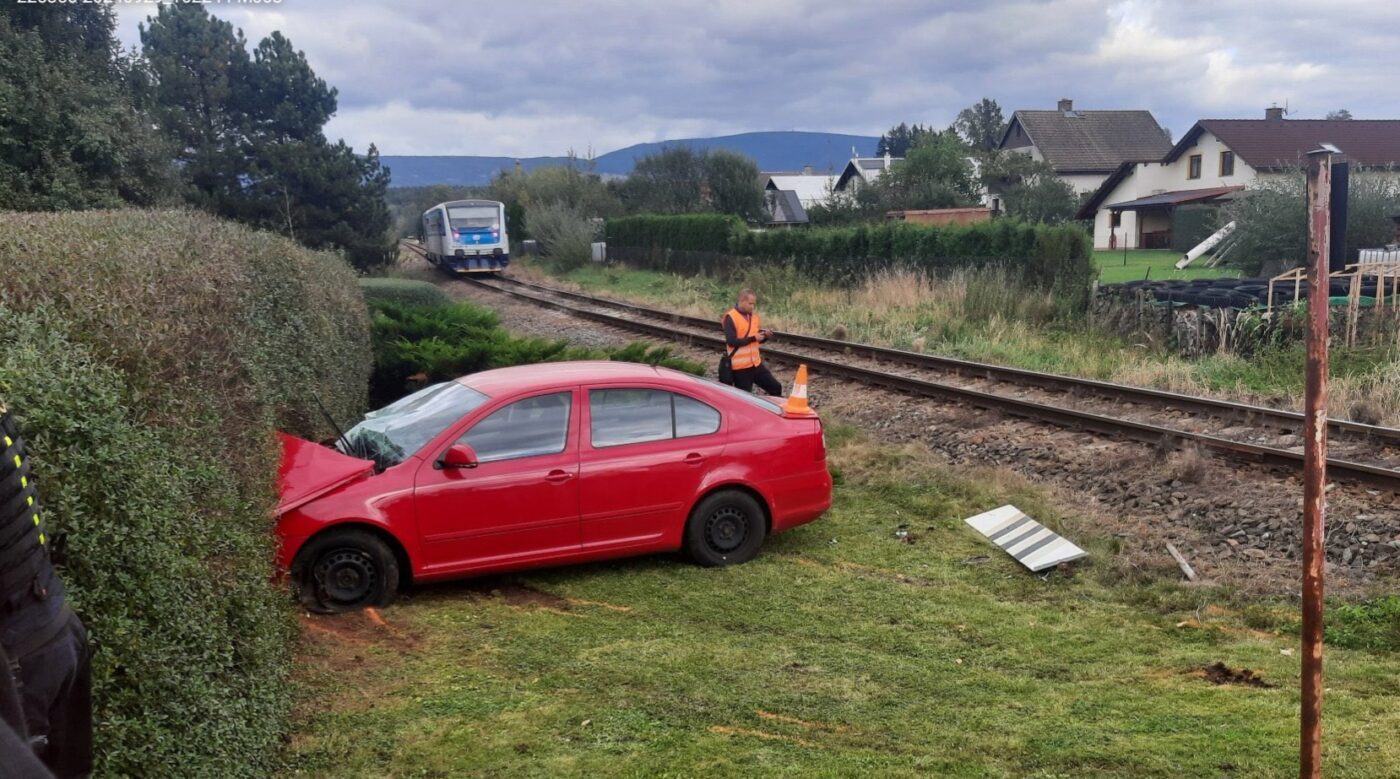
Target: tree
{"points": [[936, 173], [250, 130], [680, 180], [1030, 188], [732, 181], [981, 125], [1340, 113], [72, 133], [897, 141]]}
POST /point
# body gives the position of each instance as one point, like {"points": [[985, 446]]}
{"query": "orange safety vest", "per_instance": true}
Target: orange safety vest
{"points": [[745, 356]]}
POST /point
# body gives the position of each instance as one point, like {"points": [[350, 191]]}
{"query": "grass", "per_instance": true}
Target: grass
{"points": [[978, 316], [840, 651], [1157, 264]]}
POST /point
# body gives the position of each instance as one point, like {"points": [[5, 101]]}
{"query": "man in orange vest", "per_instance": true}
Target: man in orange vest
{"points": [[743, 332]]}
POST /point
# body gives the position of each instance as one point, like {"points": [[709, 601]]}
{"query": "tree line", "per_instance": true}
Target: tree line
{"points": [[191, 117]]}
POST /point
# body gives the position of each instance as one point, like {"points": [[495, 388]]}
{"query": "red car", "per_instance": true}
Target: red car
{"points": [[543, 465]]}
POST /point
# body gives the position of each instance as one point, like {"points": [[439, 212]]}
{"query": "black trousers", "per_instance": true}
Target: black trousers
{"points": [[56, 693], [759, 375]]}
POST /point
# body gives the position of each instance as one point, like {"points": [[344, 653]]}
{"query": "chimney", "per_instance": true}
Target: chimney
{"points": [[1065, 105], [1273, 112], [806, 170]]}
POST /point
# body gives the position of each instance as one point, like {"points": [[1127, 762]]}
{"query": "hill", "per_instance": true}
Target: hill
{"points": [[783, 150]]}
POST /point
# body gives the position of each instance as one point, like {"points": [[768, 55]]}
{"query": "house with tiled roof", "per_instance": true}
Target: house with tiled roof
{"points": [[1085, 147], [1215, 161]]}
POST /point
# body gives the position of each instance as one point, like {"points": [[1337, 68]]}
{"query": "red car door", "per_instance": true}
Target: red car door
{"points": [[520, 504], [644, 455]]}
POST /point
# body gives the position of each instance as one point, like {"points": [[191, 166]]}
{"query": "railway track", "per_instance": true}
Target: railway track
{"points": [[1361, 453]]}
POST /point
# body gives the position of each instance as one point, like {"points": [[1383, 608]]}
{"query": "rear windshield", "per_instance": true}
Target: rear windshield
{"points": [[763, 402], [474, 217]]}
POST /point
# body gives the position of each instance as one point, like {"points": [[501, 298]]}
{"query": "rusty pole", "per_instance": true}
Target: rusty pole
{"points": [[1315, 458]]}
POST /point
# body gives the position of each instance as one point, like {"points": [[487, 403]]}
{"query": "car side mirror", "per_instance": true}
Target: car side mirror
{"points": [[458, 456]]}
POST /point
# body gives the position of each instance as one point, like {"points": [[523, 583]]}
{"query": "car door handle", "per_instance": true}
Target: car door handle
{"points": [[558, 477], [693, 459]]}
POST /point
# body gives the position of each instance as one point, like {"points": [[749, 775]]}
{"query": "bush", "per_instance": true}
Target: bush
{"points": [[565, 235], [403, 291], [686, 232], [419, 345], [1192, 224], [149, 356], [1272, 219]]}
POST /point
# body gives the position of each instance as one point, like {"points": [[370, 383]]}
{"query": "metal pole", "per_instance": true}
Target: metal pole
{"points": [[1315, 460]]}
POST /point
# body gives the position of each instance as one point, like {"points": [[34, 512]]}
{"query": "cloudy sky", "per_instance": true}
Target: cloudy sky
{"points": [[539, 77]]}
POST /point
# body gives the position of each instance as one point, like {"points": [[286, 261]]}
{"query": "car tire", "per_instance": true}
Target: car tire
{"points": [[726, 528], [347, 570]]}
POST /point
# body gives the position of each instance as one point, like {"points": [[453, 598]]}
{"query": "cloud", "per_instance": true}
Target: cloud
{"points": [[542, 76]]}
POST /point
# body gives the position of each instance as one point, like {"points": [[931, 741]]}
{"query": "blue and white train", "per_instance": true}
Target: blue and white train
{"points": [[467, 236]]}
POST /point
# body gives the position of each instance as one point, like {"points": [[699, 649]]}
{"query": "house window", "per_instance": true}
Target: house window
{"points": [[1193, 170], [1227, 163]]}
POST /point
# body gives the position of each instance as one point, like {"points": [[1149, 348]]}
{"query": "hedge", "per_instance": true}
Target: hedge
{"points": [[1045, 256], [1192, 224], [686, 232], [148, 357], [416, 345]]}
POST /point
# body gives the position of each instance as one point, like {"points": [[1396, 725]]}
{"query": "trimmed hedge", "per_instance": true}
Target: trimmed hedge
{"points": [[1049, 257], [149, 356], [686, 232]]}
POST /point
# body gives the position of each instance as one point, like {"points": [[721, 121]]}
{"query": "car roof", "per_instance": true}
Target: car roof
{"points": [[521, 378]]}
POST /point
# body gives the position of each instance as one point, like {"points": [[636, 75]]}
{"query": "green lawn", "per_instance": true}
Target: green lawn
{"points": [[1151, 263], [840, 651]]}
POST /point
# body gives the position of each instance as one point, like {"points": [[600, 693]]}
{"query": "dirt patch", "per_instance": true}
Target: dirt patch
{"points": [[729, 731], [345, 640], [1219, 673], [809, 724]]}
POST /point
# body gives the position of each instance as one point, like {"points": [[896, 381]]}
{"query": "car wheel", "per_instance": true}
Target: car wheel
{"points": [[726, 528], [345, 570]]}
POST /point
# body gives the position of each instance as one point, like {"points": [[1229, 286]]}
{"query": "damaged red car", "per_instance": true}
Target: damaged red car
{"points": [[543, 465]]}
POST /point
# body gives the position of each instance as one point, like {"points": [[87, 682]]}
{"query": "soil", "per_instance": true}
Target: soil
{"points": [[1219, 673], [1235, 523]]}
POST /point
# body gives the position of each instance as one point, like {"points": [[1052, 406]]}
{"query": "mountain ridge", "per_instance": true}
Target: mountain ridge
{"points": [[778, 150]]}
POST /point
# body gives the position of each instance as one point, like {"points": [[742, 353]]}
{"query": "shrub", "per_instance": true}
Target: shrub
{"points": [[149, 356], [565, 235], [1272, 220], [419, 345], [686, 232], [403, 291]]}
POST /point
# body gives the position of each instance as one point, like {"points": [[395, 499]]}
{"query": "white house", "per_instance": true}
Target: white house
{"points": [[1085, 147], [863, 170], [812, 189], [1214, 161]]}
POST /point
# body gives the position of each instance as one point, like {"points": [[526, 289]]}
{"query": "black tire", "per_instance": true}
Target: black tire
{"points": [[346, 570], [726, 528]]}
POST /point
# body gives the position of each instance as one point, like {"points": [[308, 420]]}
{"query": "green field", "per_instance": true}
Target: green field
{"points": [[1151, 263], [841, 651]]}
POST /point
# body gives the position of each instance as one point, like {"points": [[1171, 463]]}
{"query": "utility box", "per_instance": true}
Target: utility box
{"points": [[530, 247], [600, 251]]}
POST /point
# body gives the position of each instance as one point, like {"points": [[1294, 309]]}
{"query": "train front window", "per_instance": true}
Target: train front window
{"points": [[474, 217]]}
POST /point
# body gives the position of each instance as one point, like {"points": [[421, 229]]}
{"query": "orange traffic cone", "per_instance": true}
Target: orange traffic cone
{"points": [[796, 404]]}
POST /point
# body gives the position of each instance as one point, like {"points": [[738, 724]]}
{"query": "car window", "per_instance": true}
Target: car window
{"points": [[629, 416], [633, 416], [694, 417], [765, 403], [525, 428]]}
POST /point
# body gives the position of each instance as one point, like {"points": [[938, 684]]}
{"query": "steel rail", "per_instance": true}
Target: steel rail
{"points": [[1371, 475]]}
